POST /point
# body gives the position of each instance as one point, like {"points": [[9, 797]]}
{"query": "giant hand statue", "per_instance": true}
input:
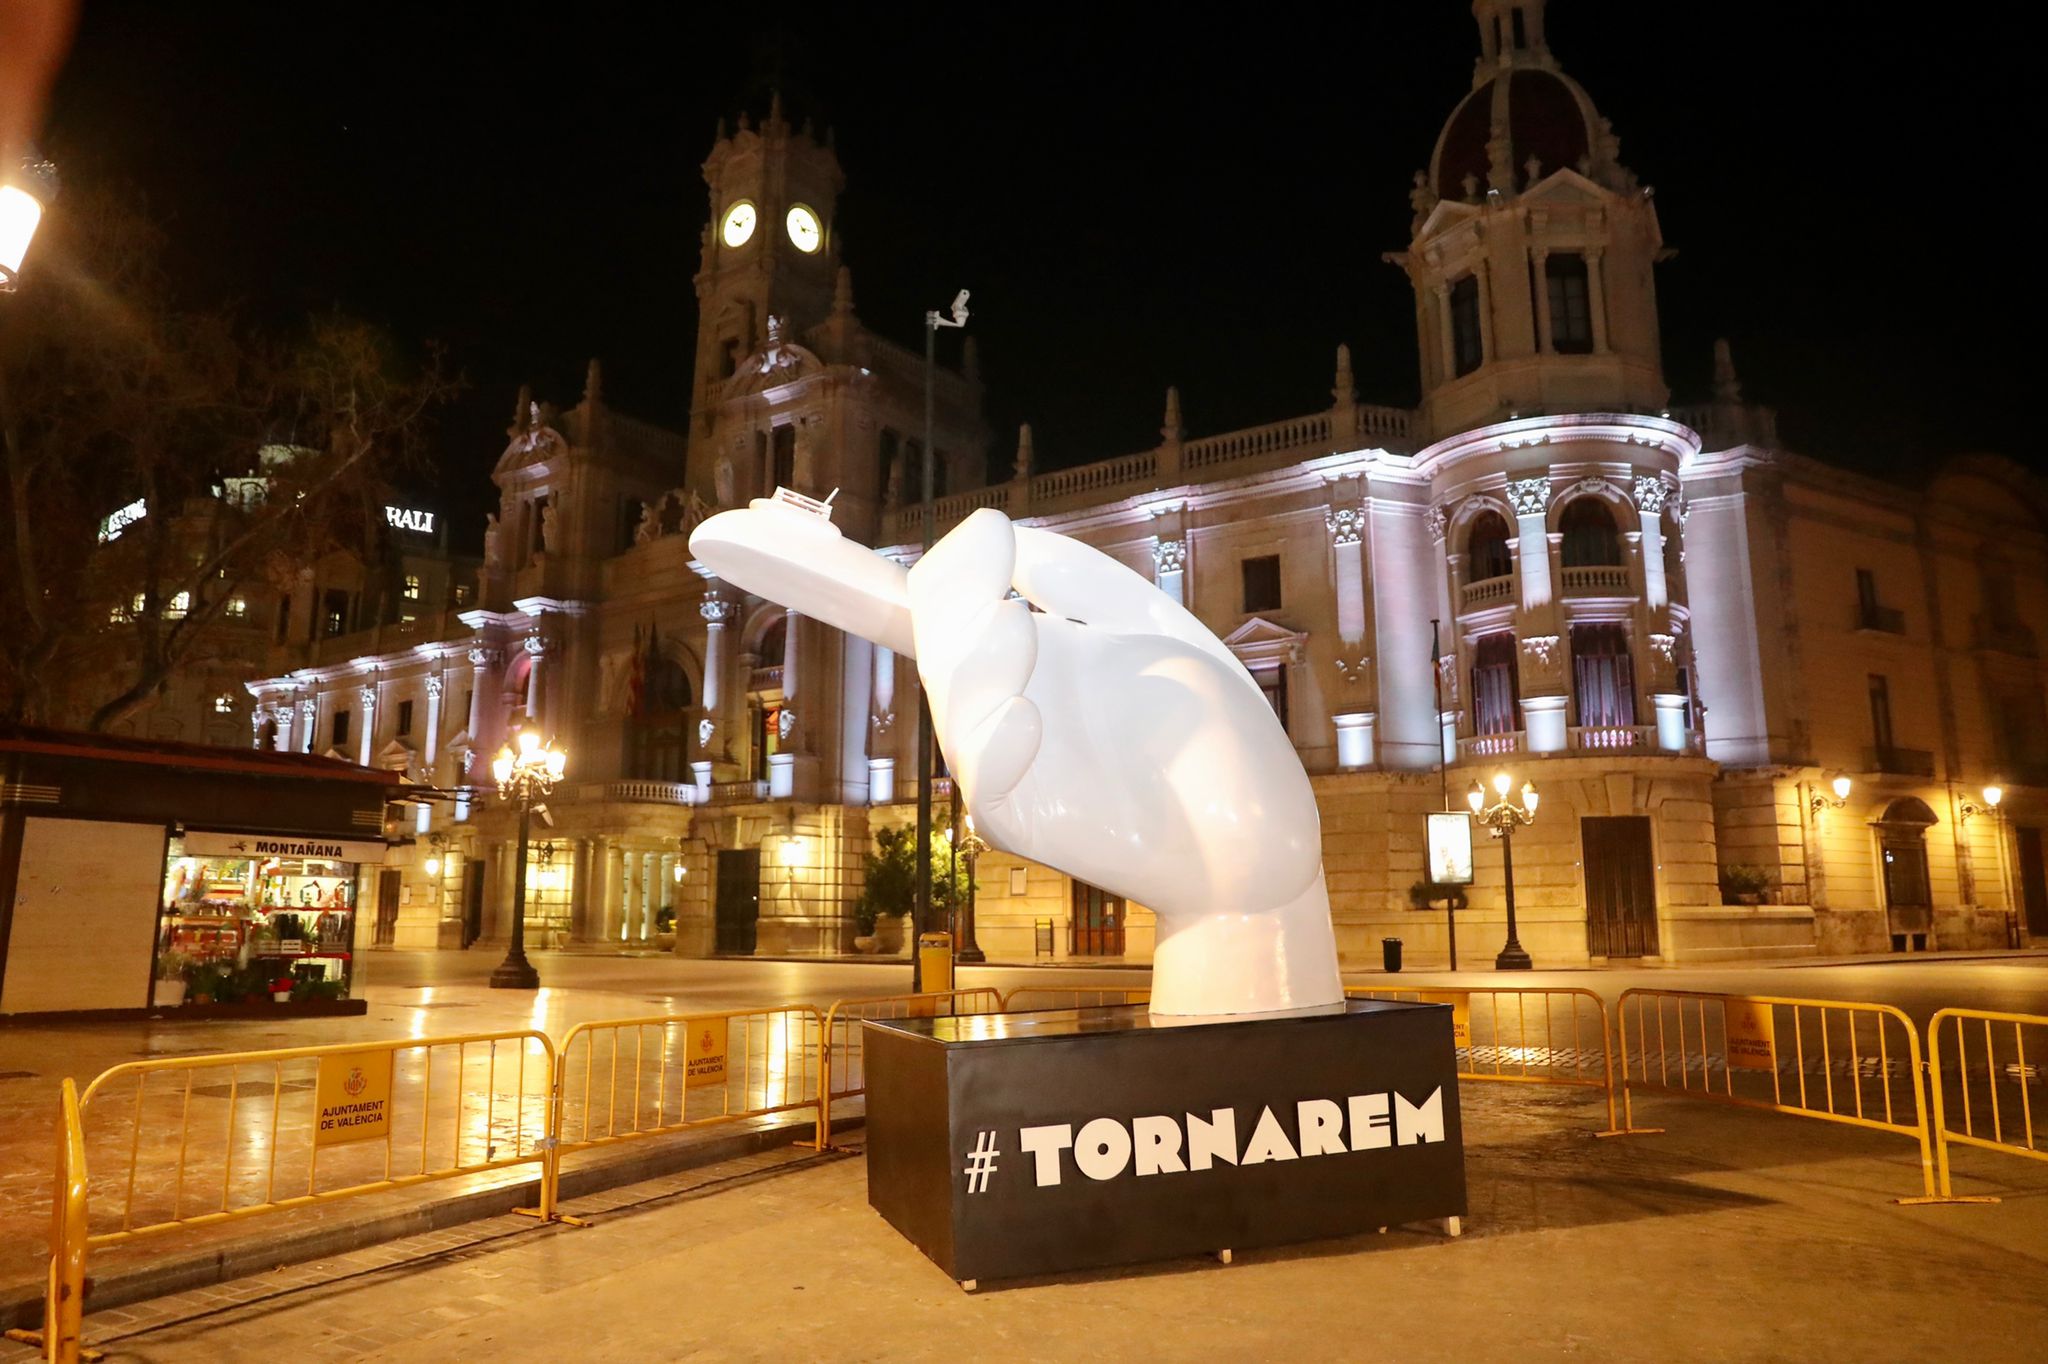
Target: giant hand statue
{"points": [[1105, 733]]}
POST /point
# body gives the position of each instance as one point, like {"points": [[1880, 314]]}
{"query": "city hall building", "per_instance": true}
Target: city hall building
{"points": [[1772, 707]]}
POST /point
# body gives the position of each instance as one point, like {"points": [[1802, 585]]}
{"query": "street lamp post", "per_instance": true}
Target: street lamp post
{"points": [[1502, 818], [921, 905], [525, 773], [971, 848]]}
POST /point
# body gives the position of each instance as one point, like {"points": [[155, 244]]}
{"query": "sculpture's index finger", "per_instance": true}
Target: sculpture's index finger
{"points": [[1064, 577]]}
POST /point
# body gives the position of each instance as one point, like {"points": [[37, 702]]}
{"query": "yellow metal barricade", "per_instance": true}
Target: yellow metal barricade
{"points": [[1991, 1049], [1026, 998], [64, 1289], [1524, 1036], [1836, 1060], [286, 1128], [643, 1077], [841, 1076]]}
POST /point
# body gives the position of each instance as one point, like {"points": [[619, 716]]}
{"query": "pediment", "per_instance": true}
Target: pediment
{"points": [[1447, 214], [778, 363], [535, 441], [1261, 642], [1565, 185]]}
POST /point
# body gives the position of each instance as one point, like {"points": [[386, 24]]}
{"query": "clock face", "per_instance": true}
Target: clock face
{"points": [[739, 224], [804, 232]]}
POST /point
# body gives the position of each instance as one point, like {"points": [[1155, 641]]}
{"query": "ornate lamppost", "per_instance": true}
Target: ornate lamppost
{"points": [[1502, 818], [527, 770], [971, 848], [26, 189]]}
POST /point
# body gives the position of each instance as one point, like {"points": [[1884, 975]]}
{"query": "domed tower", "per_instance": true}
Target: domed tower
{"points": [[1533, 247]]}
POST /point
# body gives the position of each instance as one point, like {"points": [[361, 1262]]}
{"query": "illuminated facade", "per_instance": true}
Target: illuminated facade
{"points": [[1680, 632]]}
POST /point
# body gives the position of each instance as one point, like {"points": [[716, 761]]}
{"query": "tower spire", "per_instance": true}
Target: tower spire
{"points": [[1021, 468], [1170, 429]]}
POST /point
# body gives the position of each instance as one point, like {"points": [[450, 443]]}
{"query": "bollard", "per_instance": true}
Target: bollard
{"points": [[1390, 953]]}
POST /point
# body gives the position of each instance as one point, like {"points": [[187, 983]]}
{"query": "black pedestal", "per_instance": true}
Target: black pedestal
{"points": [[1004, 1145]]}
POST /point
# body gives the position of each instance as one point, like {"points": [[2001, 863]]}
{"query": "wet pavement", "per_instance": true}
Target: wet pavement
{"points": [[191, 1142], [1735, 1236]]}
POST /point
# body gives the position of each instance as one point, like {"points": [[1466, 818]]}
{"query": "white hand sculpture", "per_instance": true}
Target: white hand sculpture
{"points": [[1108, 735]]}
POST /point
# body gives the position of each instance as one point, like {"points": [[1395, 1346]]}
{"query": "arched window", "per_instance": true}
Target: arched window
{"points": [[1589, 535], [1603, 674], [1486, 548], [1908, 899], [658, 731], [1496, 704]]}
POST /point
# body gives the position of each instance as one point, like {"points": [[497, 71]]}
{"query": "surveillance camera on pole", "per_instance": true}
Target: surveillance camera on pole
{"points": [[959, 311]]}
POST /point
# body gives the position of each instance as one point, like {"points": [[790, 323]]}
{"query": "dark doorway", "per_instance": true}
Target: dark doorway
{"points": [[1098, 922], [1908, 896], [473, 899], [2033, 882], [739, 901], [1621, 886], [389, 886]]}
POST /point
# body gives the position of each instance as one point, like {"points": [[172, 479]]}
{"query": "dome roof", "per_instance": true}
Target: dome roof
{"points": [[1544, 113]]}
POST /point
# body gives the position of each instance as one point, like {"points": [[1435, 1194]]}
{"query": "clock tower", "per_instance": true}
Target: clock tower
{"points": [[770, 248]]}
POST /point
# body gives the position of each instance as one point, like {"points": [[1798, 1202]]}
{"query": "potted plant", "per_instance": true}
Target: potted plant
{"points": [[203, 980], [171, 969], [1744, 883], [865, 912], [281, 990]]}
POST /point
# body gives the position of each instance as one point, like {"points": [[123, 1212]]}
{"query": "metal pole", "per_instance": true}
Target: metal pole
{"points": [[1512, 955], [970, 946], [921, 905], [516, 972], [1443, 773]]}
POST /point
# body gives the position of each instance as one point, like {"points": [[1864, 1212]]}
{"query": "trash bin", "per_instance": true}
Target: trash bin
{"points": [[1390, 953], [934, 962]]}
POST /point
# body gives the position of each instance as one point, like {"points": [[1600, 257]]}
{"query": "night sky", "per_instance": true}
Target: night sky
{"points": [[1195, 202]]}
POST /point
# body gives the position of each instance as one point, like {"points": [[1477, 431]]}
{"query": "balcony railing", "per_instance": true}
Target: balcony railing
{"points": [[738, 792], [640, 792], [1490, 745], [2005, 637], [1606, 738], [1885, 620], [1488, 592], [1901, 762], [1596, 580]]}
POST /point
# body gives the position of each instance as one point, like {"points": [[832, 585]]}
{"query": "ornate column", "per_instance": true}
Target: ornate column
{"points": [[536, 649], [1530, 498], [1539, 260], [309, 722], [1447, 355], [432, 751], [368, 696], [1353, 716], [881, 723], [792, 630], [1596, 300], [718, 614], [1650, 495], [257, 715], [629, 892], [1169, 567]]}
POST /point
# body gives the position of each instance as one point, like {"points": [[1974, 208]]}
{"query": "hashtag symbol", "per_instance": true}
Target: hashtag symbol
{"points": [[981, 1162]]}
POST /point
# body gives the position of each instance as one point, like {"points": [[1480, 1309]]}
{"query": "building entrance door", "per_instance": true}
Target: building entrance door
{"points": [[739, 901], [473, 899], [1908, 896], [1098, 922], [2033, 882], [1621, 886], [389, 886]]}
